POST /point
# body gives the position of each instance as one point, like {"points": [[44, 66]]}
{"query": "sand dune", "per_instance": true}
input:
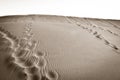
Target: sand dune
{"points": [[43, 47]]}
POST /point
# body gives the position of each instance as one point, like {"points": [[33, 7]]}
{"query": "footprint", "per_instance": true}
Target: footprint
{"points": [[95, 33], [115, 34], [78, 24], [1, 34], [29, 36], [11, 65], [22, 75], [40, 54], [4, 43], [100, 28], [35, 77], [42, 63], [109, 31], [31, 45], [106, 42], [7, 35], [115, 47], [11, 36], [90, 30], [2, 31], [28, 62], [45, 78], [98, 36], [1, 28], [32, 70], [7, 50], [23, 42], [52, 74], [93, 26], [34, 45], [22, 53], [24, 63], [9, 60]]}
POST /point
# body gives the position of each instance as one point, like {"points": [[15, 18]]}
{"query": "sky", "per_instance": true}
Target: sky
{"points": [[106, 9]]}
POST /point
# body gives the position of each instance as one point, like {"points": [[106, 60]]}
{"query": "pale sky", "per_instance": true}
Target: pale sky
{"points": [[107, 9]]}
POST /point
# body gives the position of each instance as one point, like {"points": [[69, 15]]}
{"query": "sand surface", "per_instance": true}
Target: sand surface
{"points": [[59, 48]]}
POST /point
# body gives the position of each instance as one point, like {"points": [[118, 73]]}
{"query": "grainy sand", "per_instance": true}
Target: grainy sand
{"points": [[43, 47]]}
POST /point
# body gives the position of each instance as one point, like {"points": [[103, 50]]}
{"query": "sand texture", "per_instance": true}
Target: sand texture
{"points": [[44, 47]]}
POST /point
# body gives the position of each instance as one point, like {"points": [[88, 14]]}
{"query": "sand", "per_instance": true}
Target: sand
{"points": [[44, 47]]}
